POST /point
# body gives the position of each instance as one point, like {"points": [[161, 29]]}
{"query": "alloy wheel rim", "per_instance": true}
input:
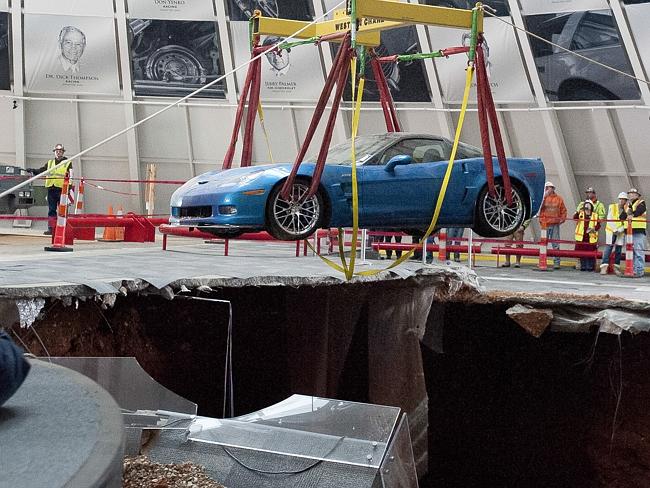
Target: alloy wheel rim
{"points": [[499, 214], [296, 215]]}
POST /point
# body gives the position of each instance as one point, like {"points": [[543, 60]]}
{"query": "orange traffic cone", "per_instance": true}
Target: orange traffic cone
{"points": [[58, 243], [79, 206], [110, 232], [119, 231]]}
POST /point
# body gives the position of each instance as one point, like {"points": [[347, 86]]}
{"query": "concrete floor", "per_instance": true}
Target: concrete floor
{"points": [[24, 265]]}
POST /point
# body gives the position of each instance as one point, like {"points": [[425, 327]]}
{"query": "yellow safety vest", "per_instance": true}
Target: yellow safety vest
{"points": [[580, 227], [55, 178], [612, 227], [640, 221]]}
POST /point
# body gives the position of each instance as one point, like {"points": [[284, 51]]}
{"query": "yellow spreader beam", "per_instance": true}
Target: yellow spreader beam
{"points": [[412, 13], [373, 16], [269, 26]]}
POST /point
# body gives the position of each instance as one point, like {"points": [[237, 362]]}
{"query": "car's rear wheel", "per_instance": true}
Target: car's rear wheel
{"points": [[494, 217], [296, 217]]}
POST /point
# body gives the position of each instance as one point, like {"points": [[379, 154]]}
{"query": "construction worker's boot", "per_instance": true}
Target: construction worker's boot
{"points": [[603, 268]]}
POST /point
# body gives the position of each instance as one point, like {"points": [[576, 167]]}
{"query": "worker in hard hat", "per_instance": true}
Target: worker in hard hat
{"points": [[552, 214], [637, 217], [614, 234], [53, 183], [586, 233]]}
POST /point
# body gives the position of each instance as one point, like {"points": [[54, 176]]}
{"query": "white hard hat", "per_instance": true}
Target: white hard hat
{"points": [[548, 183], [622, 195]]}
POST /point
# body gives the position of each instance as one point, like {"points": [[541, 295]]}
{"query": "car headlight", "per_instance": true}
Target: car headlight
{"points": [[249, 177]]}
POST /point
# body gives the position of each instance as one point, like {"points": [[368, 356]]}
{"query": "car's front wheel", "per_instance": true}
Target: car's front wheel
{"points": [[494, 217], [295, 217]]}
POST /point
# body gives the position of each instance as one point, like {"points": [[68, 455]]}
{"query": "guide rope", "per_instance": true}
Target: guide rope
{"points": [[562, 48]]}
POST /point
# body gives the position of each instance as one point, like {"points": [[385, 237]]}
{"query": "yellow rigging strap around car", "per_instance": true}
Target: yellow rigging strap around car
{"points": [[349, 270], [260, 114], [445, 181], [355, 187]]}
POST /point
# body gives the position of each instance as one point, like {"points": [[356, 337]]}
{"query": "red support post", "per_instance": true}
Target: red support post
{"points": [[227, 160], [484, 129], [494, 122], [385, 97], [344, 70], [318, 113], [376, 69], [253, 103]]}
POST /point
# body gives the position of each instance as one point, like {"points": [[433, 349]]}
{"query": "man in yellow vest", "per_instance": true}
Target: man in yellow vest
{"points": [[586, 234], [53, 183], [637, 215], [615, 234]]}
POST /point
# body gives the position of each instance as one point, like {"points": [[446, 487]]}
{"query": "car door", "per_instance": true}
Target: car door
{"points": [[406, 195]]}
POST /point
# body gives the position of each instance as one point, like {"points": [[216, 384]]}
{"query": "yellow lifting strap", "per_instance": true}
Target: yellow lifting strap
{"points": [[260, 113], [355, 187], [445, 181], [349, 270]]}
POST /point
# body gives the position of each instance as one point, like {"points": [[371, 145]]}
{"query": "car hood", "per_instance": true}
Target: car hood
{"points": [[240, 177]]}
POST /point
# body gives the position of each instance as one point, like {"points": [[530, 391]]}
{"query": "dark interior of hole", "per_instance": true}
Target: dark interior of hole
{"points": [[509, 410], [505, 409]]}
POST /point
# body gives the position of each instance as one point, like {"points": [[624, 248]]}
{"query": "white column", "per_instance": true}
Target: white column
{"points": [[135, 172], [549, 118], [17, 61], [630, 48]]}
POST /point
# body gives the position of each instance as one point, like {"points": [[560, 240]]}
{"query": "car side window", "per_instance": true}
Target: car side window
{"points": [[421, 150], [466, 151], [595, 31]]}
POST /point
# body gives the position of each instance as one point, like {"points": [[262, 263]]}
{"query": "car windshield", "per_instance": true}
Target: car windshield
{"points": [[365, 146], [465, 151]]}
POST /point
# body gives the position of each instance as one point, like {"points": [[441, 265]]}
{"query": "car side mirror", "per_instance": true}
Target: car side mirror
{"points": [[398, 161]]}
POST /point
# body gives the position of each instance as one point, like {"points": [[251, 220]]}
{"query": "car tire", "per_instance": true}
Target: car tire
{"points": [[296, 218], [171, 62], [494, 218], [586, 94]]}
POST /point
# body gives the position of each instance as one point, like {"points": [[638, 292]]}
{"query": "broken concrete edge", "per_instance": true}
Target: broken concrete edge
{"points": [[532, 320], [451, 284], [445, 281], [571, 313], [454, 279], [596, 302]]}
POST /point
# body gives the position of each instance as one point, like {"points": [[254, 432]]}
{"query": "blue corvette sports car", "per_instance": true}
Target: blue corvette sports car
{"points": [[399, 178]]}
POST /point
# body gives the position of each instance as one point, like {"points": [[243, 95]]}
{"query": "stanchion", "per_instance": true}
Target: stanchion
{"points": [[424, 252], [442, 246], [119, 231], [543, 248], [470, 255], [364, 243], [629, 251], [79, 207], [58, 243]]}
